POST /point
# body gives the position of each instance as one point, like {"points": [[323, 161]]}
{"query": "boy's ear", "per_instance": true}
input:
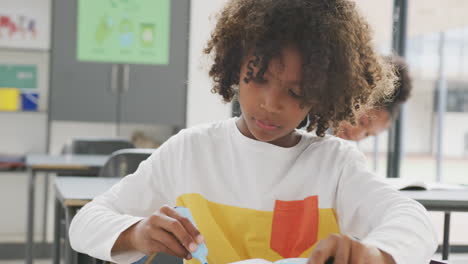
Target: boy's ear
{"points": [[303, 122]]}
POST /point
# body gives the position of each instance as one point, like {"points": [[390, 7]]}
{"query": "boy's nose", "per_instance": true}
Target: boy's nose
{"points": [[272, 102]]}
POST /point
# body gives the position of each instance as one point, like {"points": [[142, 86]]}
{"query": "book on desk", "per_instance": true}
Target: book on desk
{"points": [[414, 185]]}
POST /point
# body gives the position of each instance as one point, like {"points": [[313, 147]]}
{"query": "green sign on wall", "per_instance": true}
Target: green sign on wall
{"points": [[18, 76], [124, 31]]}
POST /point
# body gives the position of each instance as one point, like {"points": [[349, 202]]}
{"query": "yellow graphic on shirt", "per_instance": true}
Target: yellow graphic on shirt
{"points": [[234, 234]]}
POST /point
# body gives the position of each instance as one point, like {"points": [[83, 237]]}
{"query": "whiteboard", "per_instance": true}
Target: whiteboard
{"points": [[25, 24]]}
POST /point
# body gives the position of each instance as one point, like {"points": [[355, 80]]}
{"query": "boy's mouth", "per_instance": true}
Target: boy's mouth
{"points": [[266, 125]]}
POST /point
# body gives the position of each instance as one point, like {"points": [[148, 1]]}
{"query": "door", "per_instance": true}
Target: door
{"points": [[157, 93], [80, 91]]}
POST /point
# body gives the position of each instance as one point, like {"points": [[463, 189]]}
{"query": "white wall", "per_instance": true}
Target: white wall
{"points": [[13, 207], [418, 120], [22, 133], [202, 105], [454, 132], [379, 15]]}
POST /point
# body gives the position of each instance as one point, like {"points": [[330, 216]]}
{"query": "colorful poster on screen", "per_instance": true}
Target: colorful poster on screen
{"points": [[25, 24], [124, 31]]}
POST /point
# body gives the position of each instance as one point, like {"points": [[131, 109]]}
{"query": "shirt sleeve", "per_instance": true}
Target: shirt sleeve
{"points": [[98, 224], [380, 216]]}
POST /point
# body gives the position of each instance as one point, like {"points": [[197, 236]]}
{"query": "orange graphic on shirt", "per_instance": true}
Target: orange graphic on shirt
{"points": [[234, 233], [295, 226]]}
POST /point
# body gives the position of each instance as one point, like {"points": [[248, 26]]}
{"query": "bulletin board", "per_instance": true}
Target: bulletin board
{"points": [[25, 24]]}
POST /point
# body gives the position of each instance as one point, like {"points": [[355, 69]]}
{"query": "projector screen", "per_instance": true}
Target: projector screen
{"points": [[123, 31]]}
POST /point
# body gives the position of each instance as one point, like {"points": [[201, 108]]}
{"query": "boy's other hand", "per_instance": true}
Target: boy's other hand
{"points": [[346, 250], [165, 231]]}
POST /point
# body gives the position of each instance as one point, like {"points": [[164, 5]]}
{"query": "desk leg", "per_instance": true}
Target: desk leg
{"points": [[30, 223], [71, 256], [446, 243], [46, 207], [58, 215]]}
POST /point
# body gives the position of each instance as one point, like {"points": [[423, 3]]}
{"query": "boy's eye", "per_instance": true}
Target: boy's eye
{"points": [[294, 93]]}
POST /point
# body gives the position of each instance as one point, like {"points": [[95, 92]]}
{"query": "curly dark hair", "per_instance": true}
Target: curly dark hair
{"points": [[340, 68], [403, 86]]}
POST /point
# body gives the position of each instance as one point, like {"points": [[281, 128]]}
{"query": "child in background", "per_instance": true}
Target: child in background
{"points": [[380, 117], [256, 186]]}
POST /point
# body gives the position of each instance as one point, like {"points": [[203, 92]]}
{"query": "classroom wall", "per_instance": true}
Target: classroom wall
{"points": [[455, 135], [13, 207], [23, 132], [419, 123], [202, 105]]}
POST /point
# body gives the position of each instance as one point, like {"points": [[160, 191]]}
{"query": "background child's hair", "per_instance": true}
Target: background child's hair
{"points": [[341, 70], [403, 86]]}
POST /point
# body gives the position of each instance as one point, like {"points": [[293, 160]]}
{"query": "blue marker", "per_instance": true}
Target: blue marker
{"points": [[202, 250]]}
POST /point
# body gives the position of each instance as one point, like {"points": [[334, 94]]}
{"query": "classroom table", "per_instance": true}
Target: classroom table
{"points": [[72, 193], [52, 164], [446, 201]]}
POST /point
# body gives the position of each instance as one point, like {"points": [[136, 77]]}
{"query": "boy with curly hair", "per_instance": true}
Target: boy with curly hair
{"points": [[256, 186]]}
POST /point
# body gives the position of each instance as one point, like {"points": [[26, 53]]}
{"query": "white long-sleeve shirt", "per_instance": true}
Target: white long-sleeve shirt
{"points": [[252, 199]]}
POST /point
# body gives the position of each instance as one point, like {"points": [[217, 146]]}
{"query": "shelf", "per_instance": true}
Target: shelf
{"points": [[22, 112]]}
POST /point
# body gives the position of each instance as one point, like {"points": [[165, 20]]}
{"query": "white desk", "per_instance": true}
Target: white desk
{"points": [[446, 201], [52, 164], [72, 193]]}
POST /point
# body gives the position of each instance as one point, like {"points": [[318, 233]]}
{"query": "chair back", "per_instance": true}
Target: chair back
{"points": [[93, 146], [125, 161], [97, 146]]}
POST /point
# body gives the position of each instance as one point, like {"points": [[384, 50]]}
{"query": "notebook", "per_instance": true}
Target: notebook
{"points": [[412, 185]]}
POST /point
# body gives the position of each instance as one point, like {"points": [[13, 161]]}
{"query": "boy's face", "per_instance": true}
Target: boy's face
{"points": [[271, 109], [370, 124]]}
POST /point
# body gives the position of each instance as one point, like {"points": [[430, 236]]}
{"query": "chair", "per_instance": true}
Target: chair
{"points": [[93, 146], [89, 146], [123, 162], [96, 146]]}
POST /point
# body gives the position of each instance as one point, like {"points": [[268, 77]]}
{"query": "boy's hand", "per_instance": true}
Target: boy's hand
{"points": [[346, 250], [165, 231]]}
